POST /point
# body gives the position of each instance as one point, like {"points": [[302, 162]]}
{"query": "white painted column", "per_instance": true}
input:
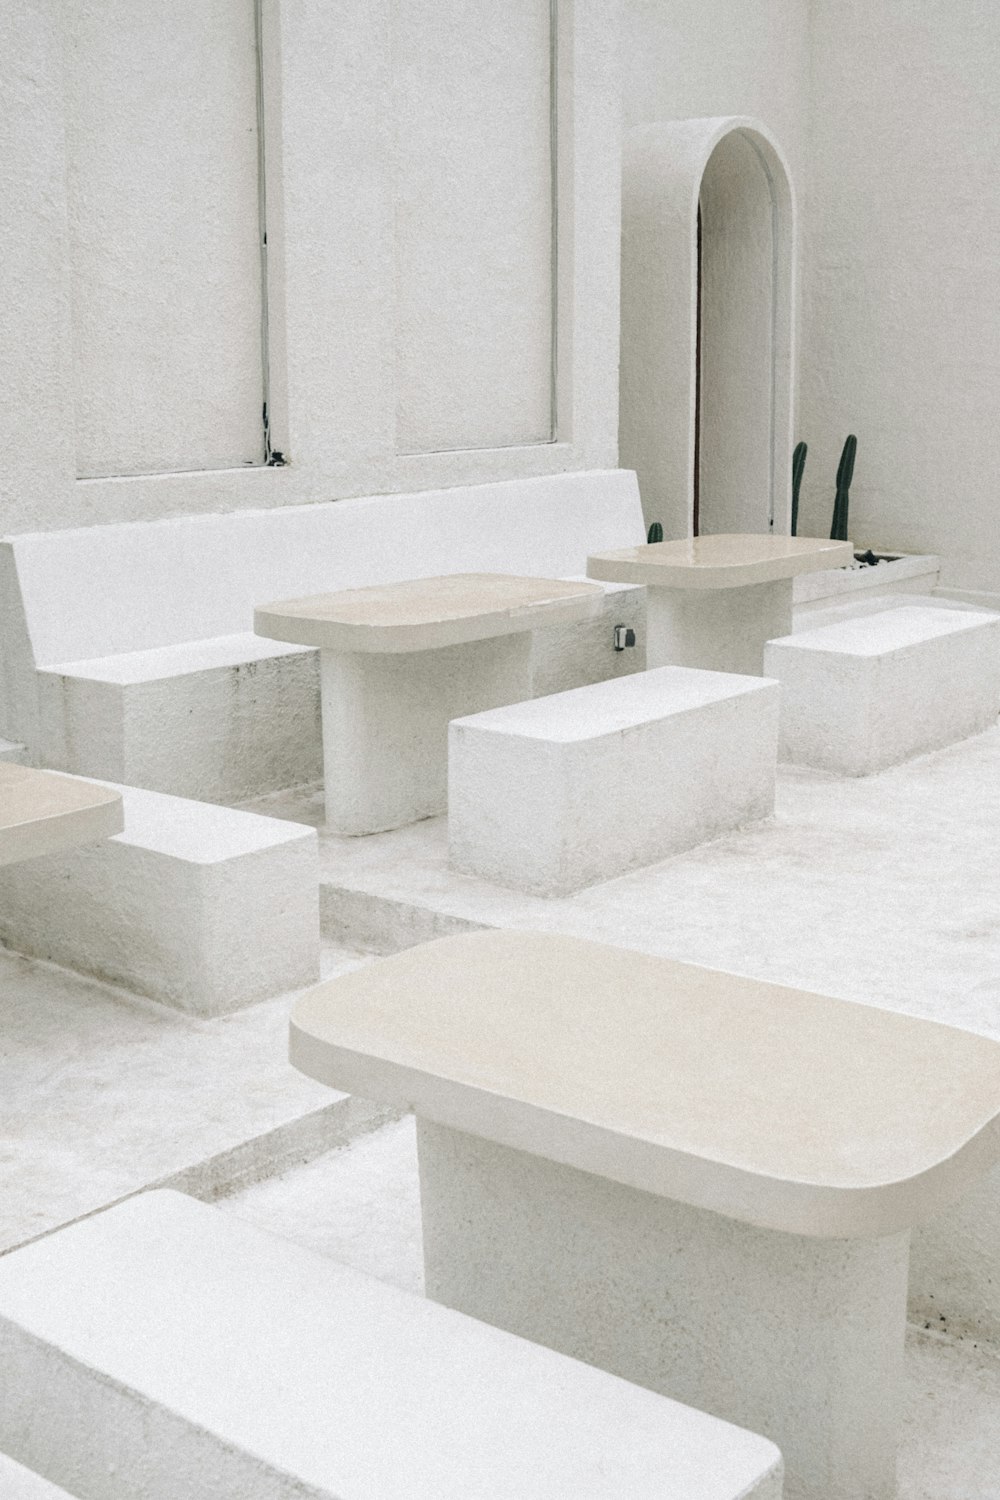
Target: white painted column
{"points": [[796, 1338], [721, 630], [385, 724]]}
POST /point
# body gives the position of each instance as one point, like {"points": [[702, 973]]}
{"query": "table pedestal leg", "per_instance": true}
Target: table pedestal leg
{"points": [[385, 724], [721, 630], [796, 1338]]}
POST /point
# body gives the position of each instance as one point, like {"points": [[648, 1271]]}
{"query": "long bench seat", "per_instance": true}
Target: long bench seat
{"points": [[701, 1182], [166, 1349], [128, 651]]}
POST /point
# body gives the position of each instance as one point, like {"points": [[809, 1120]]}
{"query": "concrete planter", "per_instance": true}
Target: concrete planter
{"points": [[912, 573]]}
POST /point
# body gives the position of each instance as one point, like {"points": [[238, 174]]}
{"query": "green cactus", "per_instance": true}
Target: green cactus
{"points": [[655, 533], [845, 473], [798, 464]]}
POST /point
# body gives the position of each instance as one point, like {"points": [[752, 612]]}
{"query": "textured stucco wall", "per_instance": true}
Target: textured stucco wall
{"points": [[473, 224], [720, 57], [901, 309], [161, 145], [410, 247]]}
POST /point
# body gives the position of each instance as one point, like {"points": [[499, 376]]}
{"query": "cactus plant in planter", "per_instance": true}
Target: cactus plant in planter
{"points": [[845, 473], [798, 464], [655, 533]]}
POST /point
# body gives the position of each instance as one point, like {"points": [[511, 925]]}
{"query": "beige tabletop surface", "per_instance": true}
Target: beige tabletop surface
{"points": [[727, 560], [782, 1108], [42, 812], [423, 613]]}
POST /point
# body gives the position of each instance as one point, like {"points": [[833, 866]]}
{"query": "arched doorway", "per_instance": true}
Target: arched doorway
{"points": [[707, 325]]}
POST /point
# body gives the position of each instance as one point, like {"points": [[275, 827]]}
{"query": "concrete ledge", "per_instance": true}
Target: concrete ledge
{"points": [[166, 1349], [559, 792], [19, 1483], [872, 691], [197, 906], [912, 573]]}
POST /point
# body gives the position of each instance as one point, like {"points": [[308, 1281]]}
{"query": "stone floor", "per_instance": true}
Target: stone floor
{"points": [[103, 1094], [885, 890]]}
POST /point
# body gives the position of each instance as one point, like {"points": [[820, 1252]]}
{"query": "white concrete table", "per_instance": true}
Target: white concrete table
{"points": [[399, 661], [42, 812], [700, 1182], [713, 601]]}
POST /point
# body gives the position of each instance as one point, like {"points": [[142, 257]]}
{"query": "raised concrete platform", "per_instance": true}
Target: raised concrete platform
{"points": [[563, 791], [603, 1132], [165, 1348], [197, 906], [714, 600], [871, 691], [42, 813], [398, 662]]}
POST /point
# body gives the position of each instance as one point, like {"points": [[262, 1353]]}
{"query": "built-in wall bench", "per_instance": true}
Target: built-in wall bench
{"points": [[197, 906], [129, 651], [164, 1348], [700, 1182], [868, 692], [559, 792]]}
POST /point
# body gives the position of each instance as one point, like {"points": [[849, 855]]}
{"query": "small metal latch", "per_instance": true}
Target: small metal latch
{"points": [[624, 636]]}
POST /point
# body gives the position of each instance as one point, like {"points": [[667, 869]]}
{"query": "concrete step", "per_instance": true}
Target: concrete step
{"points": [[166, 1349], [19, 1483]]}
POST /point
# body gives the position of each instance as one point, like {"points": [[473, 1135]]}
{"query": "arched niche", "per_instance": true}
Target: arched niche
{"points": [[718, 295]]}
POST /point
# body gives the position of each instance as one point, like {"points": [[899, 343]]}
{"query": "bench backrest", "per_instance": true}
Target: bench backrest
{"points": [[101, 590]]}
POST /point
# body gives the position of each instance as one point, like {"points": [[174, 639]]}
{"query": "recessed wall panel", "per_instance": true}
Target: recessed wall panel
{"points": [[164, 218], [474, 232]]}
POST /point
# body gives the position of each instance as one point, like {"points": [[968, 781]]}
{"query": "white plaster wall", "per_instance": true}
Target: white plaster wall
{"points": [[901, 316], [687, 58], [473, 223], [38, 465], [161, 138], [366, 326]]}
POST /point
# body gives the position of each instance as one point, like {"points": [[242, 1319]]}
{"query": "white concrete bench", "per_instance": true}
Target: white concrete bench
{"points": [[129, 650], [197, 906], [700, 1182], [44, 813], [165, 1349], [872, 691], [581, 786]]}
